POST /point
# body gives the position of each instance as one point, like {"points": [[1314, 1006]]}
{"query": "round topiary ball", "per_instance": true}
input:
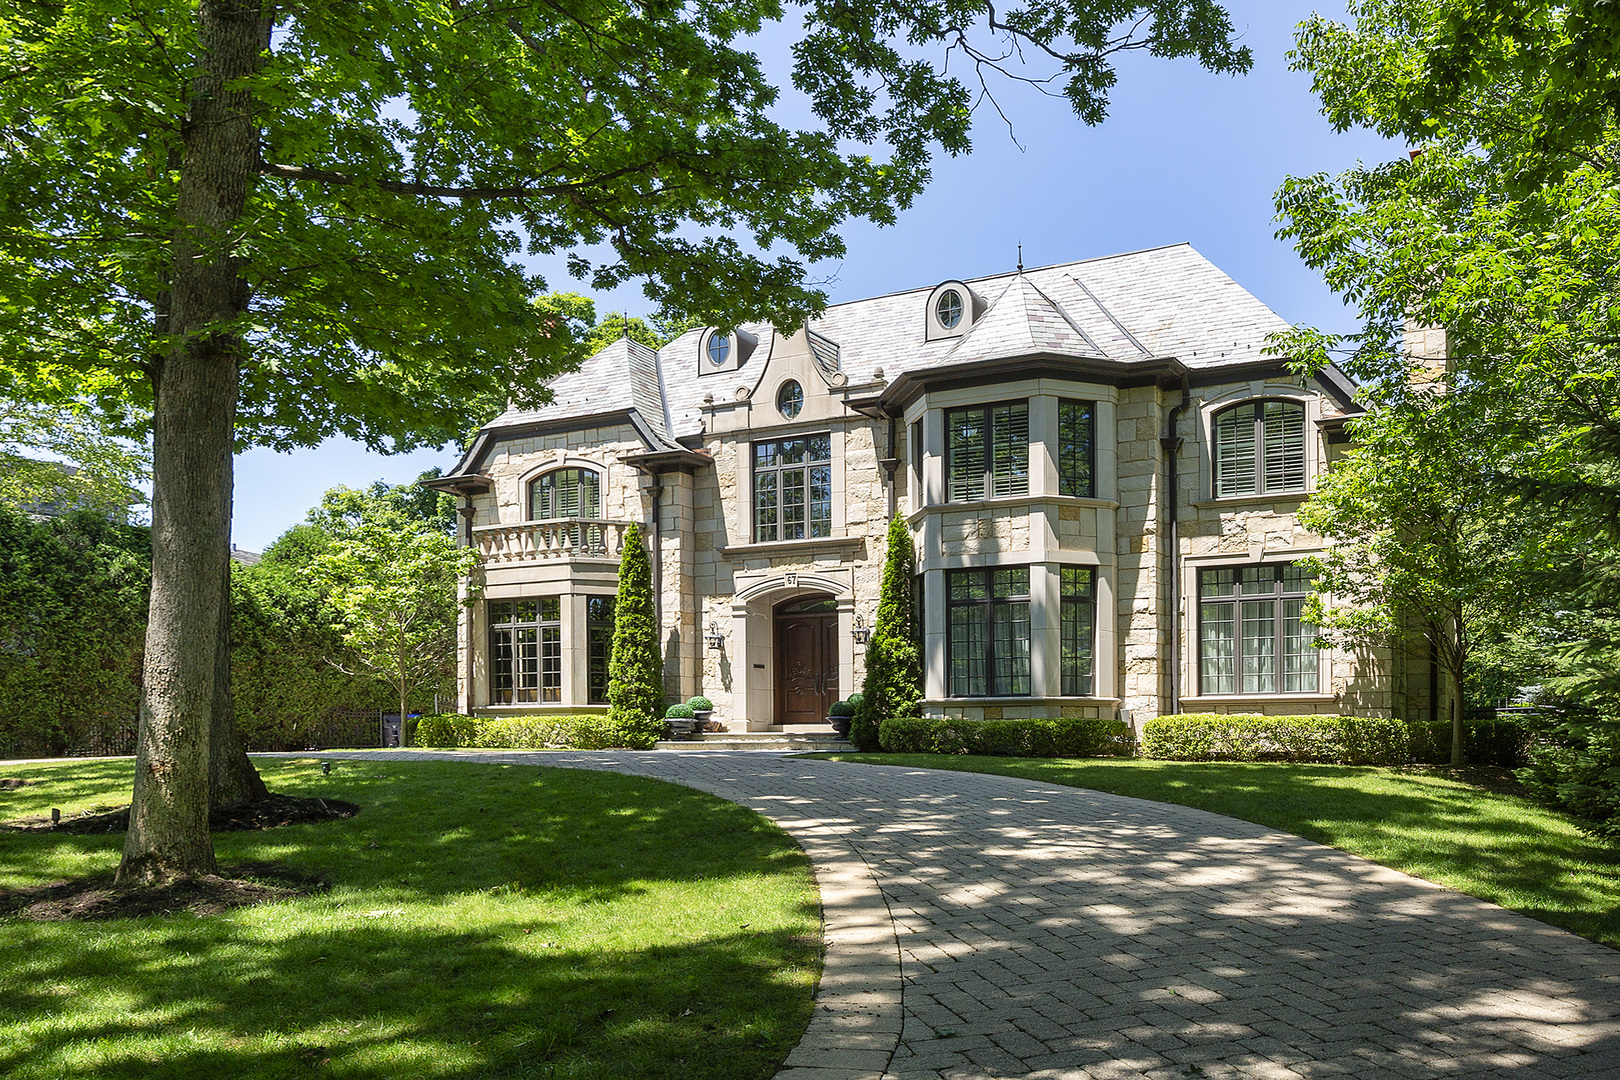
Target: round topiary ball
{"points": [[841, 708], [700, 704], [679, 712]]}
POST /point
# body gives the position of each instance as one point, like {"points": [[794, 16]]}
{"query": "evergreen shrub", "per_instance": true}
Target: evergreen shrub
{"points": [[636, 669], [1073, 737], [592, 731], [679, 712], [841, 708], [893, 687], [700, 704], [1334, 740]]}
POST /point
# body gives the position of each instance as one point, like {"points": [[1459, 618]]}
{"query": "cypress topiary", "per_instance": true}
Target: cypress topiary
{"points": [[636, 670], [893, 686]]}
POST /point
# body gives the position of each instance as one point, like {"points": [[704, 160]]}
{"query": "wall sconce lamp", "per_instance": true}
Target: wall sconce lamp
{"points": [[860, 632], [714, 638]]}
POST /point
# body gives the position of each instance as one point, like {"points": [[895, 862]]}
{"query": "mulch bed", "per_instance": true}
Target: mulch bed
{"points": [[97, 898], [266, 813]]}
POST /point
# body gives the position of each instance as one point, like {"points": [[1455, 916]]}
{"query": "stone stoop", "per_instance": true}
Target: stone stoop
{"points": [[797, 738]]}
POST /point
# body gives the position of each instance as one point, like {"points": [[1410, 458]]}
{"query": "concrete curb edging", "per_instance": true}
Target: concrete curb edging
{"points": [[856, 1025]]}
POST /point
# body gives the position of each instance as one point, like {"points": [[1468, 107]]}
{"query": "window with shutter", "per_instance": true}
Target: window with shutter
{"points": [[1260, 449], [988, 449], [566, 493]]}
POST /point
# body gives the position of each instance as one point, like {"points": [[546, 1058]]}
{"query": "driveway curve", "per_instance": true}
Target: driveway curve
{"points": [[986, 927]]}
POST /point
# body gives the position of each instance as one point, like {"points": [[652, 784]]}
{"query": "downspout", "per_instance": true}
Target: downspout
{"points": [[1171, 443], [891, 466]]}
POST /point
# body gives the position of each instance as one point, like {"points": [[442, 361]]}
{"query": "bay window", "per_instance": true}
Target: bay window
{"points": [[988, 451], [988, 631], [525, 651]]}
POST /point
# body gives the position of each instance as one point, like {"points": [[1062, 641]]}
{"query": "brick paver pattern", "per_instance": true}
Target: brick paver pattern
{"points": [[1055, 932]]}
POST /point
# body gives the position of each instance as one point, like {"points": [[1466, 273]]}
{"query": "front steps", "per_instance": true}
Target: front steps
{"points": [[792, 738]]}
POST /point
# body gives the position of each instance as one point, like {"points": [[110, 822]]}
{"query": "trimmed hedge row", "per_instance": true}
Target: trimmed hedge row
{"points": [[1332, 740], [585, 732], [1007, 738]]}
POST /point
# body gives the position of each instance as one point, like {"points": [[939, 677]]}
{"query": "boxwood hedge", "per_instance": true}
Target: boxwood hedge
{"points": [[584, 732], [1008, 738], [1339, 740]]}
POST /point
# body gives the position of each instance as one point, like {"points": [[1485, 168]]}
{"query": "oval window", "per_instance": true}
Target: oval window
{"points": [[790, 399], [719, 349], [949, 309]]}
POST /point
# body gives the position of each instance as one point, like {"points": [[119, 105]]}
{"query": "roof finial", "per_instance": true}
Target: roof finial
{"points": [[1020, 258], [625, 316]]}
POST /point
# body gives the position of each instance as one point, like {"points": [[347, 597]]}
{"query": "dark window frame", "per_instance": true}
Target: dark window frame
{"points": [[1076, 676], [538, 485], [525, 650], [1279, 585], [990, 484], [1064, 462], [599, 622], [1257, 474], [810, 526], [999, 675]]}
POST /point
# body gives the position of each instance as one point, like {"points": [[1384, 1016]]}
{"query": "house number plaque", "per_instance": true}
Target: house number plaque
{"points": [[792, 580]]}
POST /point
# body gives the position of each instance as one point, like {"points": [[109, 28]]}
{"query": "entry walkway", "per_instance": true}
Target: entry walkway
{"points": [[983, 928]]}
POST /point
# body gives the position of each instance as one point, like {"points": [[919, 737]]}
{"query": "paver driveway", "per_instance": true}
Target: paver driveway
{"points": [[991, 927]]}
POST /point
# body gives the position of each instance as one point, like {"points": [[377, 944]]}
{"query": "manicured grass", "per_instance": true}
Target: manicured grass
{"points": [[1498, 847], [483, 921]]}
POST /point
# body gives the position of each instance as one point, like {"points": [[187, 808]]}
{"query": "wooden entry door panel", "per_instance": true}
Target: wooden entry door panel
{"points": [[806, 667]]}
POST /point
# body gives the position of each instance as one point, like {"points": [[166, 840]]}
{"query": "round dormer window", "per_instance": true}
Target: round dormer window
{"points": [[949, 309], [719, 349], [790, 399]]}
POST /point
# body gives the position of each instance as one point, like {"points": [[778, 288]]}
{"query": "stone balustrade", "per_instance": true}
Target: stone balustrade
{"points": [[558, 538]]}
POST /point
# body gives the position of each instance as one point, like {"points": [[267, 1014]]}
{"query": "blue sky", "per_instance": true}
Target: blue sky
{"points": [[1183, 156]]}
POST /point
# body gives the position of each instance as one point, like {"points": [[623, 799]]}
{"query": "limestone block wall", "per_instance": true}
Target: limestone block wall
{"points": [[1141, 597], [514, 462]]}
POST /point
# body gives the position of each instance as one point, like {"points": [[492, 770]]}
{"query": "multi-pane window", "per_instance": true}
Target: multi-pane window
{"points": [[1074, 451], [989, 631], [1252, 638], [1077, 604], [1260, 448], [793, 488], [599, 642], [989, 451], [566, 493], [525, 650]]}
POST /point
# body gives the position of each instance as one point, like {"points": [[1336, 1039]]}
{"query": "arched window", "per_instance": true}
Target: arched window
{"points": [[1260, 448], [566, 493]]}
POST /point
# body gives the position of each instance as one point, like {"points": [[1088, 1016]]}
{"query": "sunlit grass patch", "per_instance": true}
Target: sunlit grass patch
{"points": [[1498, 847], [481, 920]]}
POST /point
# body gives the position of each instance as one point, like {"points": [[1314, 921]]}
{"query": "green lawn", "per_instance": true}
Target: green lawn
{"points": [[483, 921], [1501, 848]]}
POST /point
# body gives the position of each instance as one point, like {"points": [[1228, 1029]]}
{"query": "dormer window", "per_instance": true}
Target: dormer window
{"points": [[566, 493], [952, 310], [719, 349], [790, 399]]}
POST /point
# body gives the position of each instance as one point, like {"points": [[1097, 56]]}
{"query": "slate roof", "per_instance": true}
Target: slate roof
{"points": [[1166, 302]]}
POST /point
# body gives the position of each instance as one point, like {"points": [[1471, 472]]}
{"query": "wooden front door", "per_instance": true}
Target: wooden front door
{"points": [[806, 663]]}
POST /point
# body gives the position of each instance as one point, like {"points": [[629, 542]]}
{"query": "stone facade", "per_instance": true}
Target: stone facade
{"points": [[768, 555]]}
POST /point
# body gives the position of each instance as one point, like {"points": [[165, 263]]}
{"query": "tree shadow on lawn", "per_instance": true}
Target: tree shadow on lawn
{"points": [[374, 1001], [460, 937]]}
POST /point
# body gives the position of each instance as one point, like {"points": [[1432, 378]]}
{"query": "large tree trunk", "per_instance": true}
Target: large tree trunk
{"points": [[193, 418]]}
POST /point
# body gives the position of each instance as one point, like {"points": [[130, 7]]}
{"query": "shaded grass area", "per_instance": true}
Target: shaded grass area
{"points": [[1490, 844], [482, 921]]}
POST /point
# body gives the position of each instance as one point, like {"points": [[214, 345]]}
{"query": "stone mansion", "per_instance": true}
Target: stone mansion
{"points": [[1099, 464]]}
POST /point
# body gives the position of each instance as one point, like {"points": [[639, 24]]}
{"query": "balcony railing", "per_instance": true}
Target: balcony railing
{"points": [[559, 538]]}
